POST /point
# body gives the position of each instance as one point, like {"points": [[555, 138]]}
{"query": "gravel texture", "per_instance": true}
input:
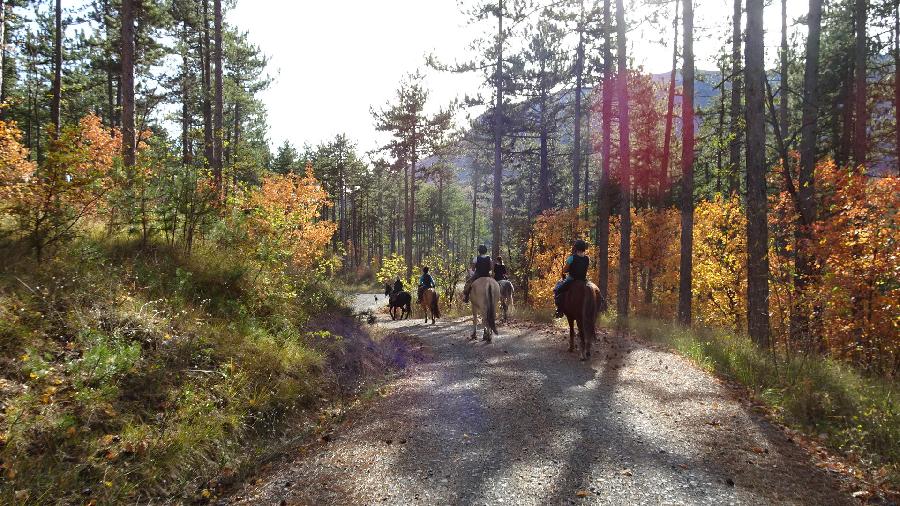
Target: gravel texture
{"points": [[520, 421]]}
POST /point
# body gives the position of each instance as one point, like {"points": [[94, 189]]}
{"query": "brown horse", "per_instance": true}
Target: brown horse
{"points": [[429, 302], [580, 303]]}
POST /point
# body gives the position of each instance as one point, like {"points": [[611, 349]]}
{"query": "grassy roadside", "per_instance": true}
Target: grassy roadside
{"points": [[852, 414], [134, 374]]}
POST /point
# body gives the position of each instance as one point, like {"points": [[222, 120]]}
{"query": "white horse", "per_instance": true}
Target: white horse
{"points": [[484, 295]]}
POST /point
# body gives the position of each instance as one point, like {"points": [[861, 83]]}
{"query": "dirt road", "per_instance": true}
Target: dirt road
{"points": [[520, 421]]}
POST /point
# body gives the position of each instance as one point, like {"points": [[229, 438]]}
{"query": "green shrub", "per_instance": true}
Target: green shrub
{"points": [[135, 374]]}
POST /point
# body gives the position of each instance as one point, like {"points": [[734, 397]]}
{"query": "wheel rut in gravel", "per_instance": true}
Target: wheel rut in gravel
{"points": [[521, 421]]}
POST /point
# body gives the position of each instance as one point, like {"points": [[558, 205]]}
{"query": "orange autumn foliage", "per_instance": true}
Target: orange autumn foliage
{"points": [[15, 167], [856, 246], [720, 263], [286, 222], [654, 260], [69, 185], [549, 244], [857, 241]]}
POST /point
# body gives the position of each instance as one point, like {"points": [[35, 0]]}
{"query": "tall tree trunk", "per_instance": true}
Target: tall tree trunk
{"points": [[475, 182], [587, 160], [110, 97], [235, 141], [622, 302], [206, 69], [896, 9], [784, 93], [721, 132], [217, 113], [860, 114], [576, 145], [734, 147], [687, 169], [2, 51], [844, 137], [185, 98], [497, 211], [757, 227], [662, 179], [603, 201], [544, 174], [127, 57], [804, 263], [55, 104], [111, 115], [411, 208]]}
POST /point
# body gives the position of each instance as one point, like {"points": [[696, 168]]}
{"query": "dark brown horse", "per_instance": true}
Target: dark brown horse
{"points": [[580, 303], [429, 302], [402, 300]]}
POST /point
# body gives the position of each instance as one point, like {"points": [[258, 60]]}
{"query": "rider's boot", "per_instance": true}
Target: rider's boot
{"points": [[559, 312]]}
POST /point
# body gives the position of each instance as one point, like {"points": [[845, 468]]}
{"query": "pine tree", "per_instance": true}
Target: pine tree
{"points": [[685, 293], [127, 58], [757, 226], [604, 205], [624, 284]]}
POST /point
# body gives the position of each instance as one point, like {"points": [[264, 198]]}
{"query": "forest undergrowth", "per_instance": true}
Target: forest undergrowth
{"points": [[133, 373]]}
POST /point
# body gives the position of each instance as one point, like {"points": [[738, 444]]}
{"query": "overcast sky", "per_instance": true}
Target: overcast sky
{"points": [[335, 59]]}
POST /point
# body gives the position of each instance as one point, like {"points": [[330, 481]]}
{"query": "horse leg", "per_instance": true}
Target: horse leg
{"points": [[585, 343], [571, 336], [474, 323]]}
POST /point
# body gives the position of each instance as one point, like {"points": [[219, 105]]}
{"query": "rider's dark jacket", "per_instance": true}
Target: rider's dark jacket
{"points": [[483, 266], [500, 272], [426, 281], [398, 286], [578, 267]]}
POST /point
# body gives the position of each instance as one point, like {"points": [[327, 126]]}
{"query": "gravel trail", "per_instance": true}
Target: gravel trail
{"points": [[520, 421]]}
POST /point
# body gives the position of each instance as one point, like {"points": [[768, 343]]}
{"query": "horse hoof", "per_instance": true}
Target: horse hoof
{"points": [[570, 350]]}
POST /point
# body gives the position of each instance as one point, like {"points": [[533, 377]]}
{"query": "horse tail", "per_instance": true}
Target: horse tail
{"points": [[491, 311], [589, 311], [435, 307]]}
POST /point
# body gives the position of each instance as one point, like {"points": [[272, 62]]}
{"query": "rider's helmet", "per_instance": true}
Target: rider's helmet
{"points": [[424, 270], [580, 245], [499, 260], [482, 250]]}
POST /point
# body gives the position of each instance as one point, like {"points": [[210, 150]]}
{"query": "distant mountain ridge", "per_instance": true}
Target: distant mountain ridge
{"points": [[705, 91]]}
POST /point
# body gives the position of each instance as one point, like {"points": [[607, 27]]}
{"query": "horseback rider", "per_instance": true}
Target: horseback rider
{"points": [[575, 269], [425, 282], [398, 286], [481, 268], [500, 269]]}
